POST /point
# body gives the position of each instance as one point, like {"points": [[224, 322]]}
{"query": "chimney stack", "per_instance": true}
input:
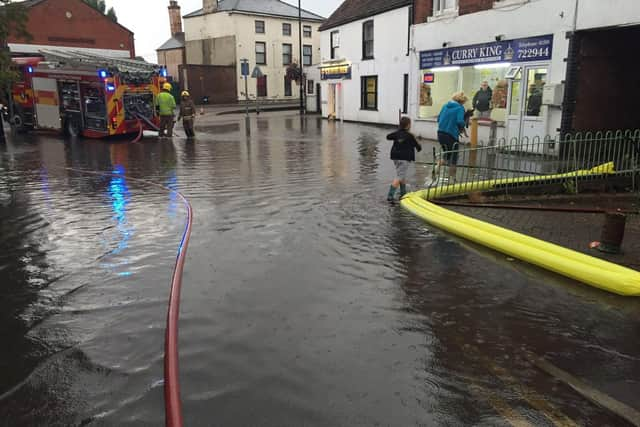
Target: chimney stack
{"points": [[175, 19], [209, 6]]}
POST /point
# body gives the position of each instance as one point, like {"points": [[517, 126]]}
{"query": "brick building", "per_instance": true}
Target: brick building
{"points": [[172, 53], [554, 66], [72, 24]]}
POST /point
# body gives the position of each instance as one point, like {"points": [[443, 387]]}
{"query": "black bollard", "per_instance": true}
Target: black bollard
{"points": [[612, 233]]}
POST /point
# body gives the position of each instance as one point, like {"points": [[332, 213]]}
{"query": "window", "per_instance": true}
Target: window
{"points": [[405, 94], [310, 87], [441, 7], [307, 55], [367, 40], [438, 85], [306, 31], [286, 29], [286, 54], [369, 85], [287, 86], [259, 27], [409, 30], [335, 44], [261, 53]]}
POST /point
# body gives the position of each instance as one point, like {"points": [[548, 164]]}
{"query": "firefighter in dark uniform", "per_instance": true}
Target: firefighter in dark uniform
{"points": [[188, 114]]}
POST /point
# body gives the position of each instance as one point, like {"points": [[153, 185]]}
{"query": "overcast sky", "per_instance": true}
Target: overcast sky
{"points": [[149, 19]]}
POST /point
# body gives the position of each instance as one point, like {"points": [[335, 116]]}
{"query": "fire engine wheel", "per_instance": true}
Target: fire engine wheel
{"points": [[73, 128], [17, 123]]}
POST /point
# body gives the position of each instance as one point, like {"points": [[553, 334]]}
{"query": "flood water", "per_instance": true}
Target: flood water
{"points": [[307, 299]]}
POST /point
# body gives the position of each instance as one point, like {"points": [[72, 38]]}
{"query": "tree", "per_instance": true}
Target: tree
{"points": [[13, 21], [101, 7]]}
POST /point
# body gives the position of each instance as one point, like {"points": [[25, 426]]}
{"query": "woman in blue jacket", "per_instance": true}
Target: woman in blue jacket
{"points": [[450, 123]]}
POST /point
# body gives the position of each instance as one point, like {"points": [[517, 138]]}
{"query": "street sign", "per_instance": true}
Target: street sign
{"points": [[245, 68], [257, 73]]}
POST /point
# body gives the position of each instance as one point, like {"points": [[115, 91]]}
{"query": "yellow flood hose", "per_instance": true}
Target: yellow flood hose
{"points": [[592, 271]]}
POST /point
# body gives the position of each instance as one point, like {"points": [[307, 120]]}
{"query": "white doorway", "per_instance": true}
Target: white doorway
{"points": [[527, 117]]}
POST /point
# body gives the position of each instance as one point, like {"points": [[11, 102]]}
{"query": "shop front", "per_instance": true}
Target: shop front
{"points": [[504, 80], [332, 76]]}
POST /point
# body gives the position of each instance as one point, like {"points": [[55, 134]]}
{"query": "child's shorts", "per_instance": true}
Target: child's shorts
{"points": [[402, 169]]}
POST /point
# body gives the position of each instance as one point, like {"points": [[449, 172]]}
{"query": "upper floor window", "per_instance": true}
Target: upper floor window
{"points": [[306, 31], [259, 27], [287, 50], [307, 55], [441, 7], [286, 29], [261, 53], [335, 44], [367, 40]]}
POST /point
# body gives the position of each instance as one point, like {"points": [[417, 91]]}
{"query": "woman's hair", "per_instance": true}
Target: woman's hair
{"points": [[460, 97], [405, 122]]}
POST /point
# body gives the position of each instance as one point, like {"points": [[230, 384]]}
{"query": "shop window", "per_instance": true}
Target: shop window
{"points": [[287, 86], [259, 27], [335, 44], [436, 89], [286, 54], [485, 86], [367, 40], [442, 7], [515, 103], [306, 31], [369, 87], [307, 55], [286, 29], [310, 87], [261, 53]]}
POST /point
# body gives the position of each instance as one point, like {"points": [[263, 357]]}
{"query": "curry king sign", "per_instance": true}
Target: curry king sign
{"points": [[335, 71], [519, 50]]}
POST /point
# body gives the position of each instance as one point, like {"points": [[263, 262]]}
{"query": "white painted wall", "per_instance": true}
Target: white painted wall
{"points": [[243, 27], [598, 13], [390, 64]]}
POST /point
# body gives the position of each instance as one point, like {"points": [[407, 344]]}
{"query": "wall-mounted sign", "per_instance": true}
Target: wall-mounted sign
{"points": [[335, 72], [429, 78], [519, 50]]}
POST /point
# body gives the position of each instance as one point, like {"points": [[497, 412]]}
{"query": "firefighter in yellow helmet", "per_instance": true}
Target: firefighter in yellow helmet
{"points": [[188, 114], [166, 104]]}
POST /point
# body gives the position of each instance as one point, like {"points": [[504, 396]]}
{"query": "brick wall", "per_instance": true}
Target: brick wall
{"points": [[472, 6], [423, 9], [72, 23]]}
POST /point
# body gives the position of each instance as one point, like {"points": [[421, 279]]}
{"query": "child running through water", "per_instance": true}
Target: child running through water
{"points": [[403, 153]]}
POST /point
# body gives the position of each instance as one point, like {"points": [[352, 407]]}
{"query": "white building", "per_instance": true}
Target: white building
{"points": [[554, 65], [365, 61], [265, 32]]}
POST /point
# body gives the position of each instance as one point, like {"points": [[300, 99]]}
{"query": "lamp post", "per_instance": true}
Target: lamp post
{"points": [[302, 84]]}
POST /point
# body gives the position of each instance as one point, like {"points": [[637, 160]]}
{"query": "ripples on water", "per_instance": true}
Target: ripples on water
{"points": [[307, 299]]}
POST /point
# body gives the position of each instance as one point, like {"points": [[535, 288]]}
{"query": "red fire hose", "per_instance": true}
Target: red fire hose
{"points": [[173, 404]]}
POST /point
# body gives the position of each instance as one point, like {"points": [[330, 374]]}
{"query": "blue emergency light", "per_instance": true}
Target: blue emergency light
{"points": [[30, 69], [111, 88], [163, 72], [103, 74]]}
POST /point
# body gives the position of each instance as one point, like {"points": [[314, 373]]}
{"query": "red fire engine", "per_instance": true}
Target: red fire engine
{"points": [[85, 94]]}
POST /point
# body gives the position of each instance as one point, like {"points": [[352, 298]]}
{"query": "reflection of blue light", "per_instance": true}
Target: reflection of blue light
{"points": [[172, 183], [120, 198], [111, 88]]}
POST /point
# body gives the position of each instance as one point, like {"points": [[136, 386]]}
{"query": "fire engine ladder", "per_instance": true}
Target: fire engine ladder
{"points": [[80, 58]]}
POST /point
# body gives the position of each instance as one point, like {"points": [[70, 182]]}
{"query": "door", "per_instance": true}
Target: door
{"points": [[262, 86], [331, 101], [318, 98], [527, 116], [47, 103]]}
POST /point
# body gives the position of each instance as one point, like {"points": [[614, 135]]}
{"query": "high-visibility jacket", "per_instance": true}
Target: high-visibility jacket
{"points": [[166, 103]]}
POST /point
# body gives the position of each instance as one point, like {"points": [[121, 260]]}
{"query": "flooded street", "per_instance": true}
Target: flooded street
{"points": [[307, 299]]}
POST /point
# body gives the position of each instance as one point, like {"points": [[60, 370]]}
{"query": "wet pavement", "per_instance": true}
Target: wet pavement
{"points": [[307, 300]]}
